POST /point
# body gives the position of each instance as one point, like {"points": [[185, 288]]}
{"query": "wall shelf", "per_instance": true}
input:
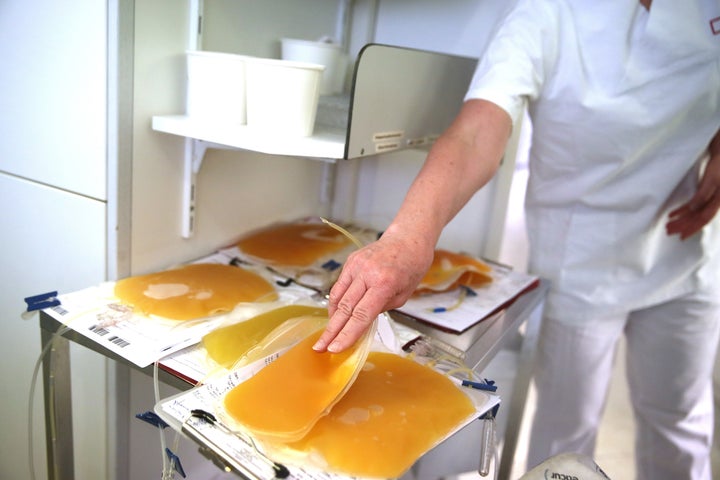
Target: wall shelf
{"points": [[400, 98], [326, 143]]}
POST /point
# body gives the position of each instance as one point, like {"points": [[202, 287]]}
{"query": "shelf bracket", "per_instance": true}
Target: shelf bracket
{"points": [[194, 154]]}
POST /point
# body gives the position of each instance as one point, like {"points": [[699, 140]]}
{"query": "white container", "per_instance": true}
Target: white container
{"points": [[282, 96], [216, 87], [323, 53]]}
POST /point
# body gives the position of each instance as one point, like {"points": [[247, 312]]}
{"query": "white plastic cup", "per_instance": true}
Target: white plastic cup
{"points": [[282, 96], [216, 87], [322, 53]]}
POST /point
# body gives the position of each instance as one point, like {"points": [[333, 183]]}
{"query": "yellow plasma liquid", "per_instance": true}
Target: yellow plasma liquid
{"points": [[450, 270], [293, 244], [227, 345], [284, 399], [193, 291], [395, 411]]}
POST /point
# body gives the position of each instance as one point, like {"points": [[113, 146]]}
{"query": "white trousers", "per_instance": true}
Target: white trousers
{"points": [[671, 352]]}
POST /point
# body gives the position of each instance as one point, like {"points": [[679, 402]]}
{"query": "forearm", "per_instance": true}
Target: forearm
{"points": [[462, 160], [383, 274]]}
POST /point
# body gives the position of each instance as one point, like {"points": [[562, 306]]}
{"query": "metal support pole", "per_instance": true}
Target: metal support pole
{"points": [[521, 387], [58, 407]]}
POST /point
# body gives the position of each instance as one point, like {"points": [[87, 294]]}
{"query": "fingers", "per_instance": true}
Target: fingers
{"points": [[338, 291], [690, 218], [376, 278], [347, 318], [349, 326], [354, 304]]}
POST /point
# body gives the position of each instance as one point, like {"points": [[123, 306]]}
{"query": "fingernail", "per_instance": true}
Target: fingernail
{"points": [[333, 348], [318, 347]]}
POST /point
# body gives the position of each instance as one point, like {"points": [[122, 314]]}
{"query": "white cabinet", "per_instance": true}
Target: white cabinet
{"points": [[51, 240], [52, 94], [53, 220]]}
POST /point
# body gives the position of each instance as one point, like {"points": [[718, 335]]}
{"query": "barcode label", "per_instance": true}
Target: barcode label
{"points": [[99, 330], [268, 360], [59, 310], [119, 342]]}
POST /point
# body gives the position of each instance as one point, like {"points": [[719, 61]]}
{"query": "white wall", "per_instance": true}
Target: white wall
{"points": [[255, 27], [382, 183], [460, 27], [237, 191]]}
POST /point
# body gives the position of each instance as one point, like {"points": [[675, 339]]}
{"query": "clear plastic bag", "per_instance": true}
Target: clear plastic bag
{"points": [[284, 400]]}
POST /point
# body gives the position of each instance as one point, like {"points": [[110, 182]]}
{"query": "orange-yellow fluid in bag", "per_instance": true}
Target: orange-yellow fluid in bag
{"points": [[395, 411], [226, 345], [449, 270], [293, 244], [194, 291], [285, 399]]}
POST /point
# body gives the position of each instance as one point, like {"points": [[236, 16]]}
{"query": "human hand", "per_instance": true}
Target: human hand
{"points": [[376, 278], [691, 217], [384, 274]]}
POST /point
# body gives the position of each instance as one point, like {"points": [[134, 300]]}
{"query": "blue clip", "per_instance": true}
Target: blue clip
{"points": [[331, 265], [487, 385], [152, 418], [44, 300], [175, 461], [469, 291]]}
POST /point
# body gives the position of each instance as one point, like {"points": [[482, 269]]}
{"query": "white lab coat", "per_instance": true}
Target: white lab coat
{"points": [[621, 111], [623, 105]]}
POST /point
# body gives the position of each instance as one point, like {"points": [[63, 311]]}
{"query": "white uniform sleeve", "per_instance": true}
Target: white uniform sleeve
{"points": [[514, 67]]}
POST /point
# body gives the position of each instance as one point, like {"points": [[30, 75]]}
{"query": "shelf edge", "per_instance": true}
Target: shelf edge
{"points": [[325, 144]]}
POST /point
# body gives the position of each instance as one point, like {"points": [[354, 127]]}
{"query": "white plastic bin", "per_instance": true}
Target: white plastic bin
{"points": [[323, 53], [216, 87], [282, 96]]}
